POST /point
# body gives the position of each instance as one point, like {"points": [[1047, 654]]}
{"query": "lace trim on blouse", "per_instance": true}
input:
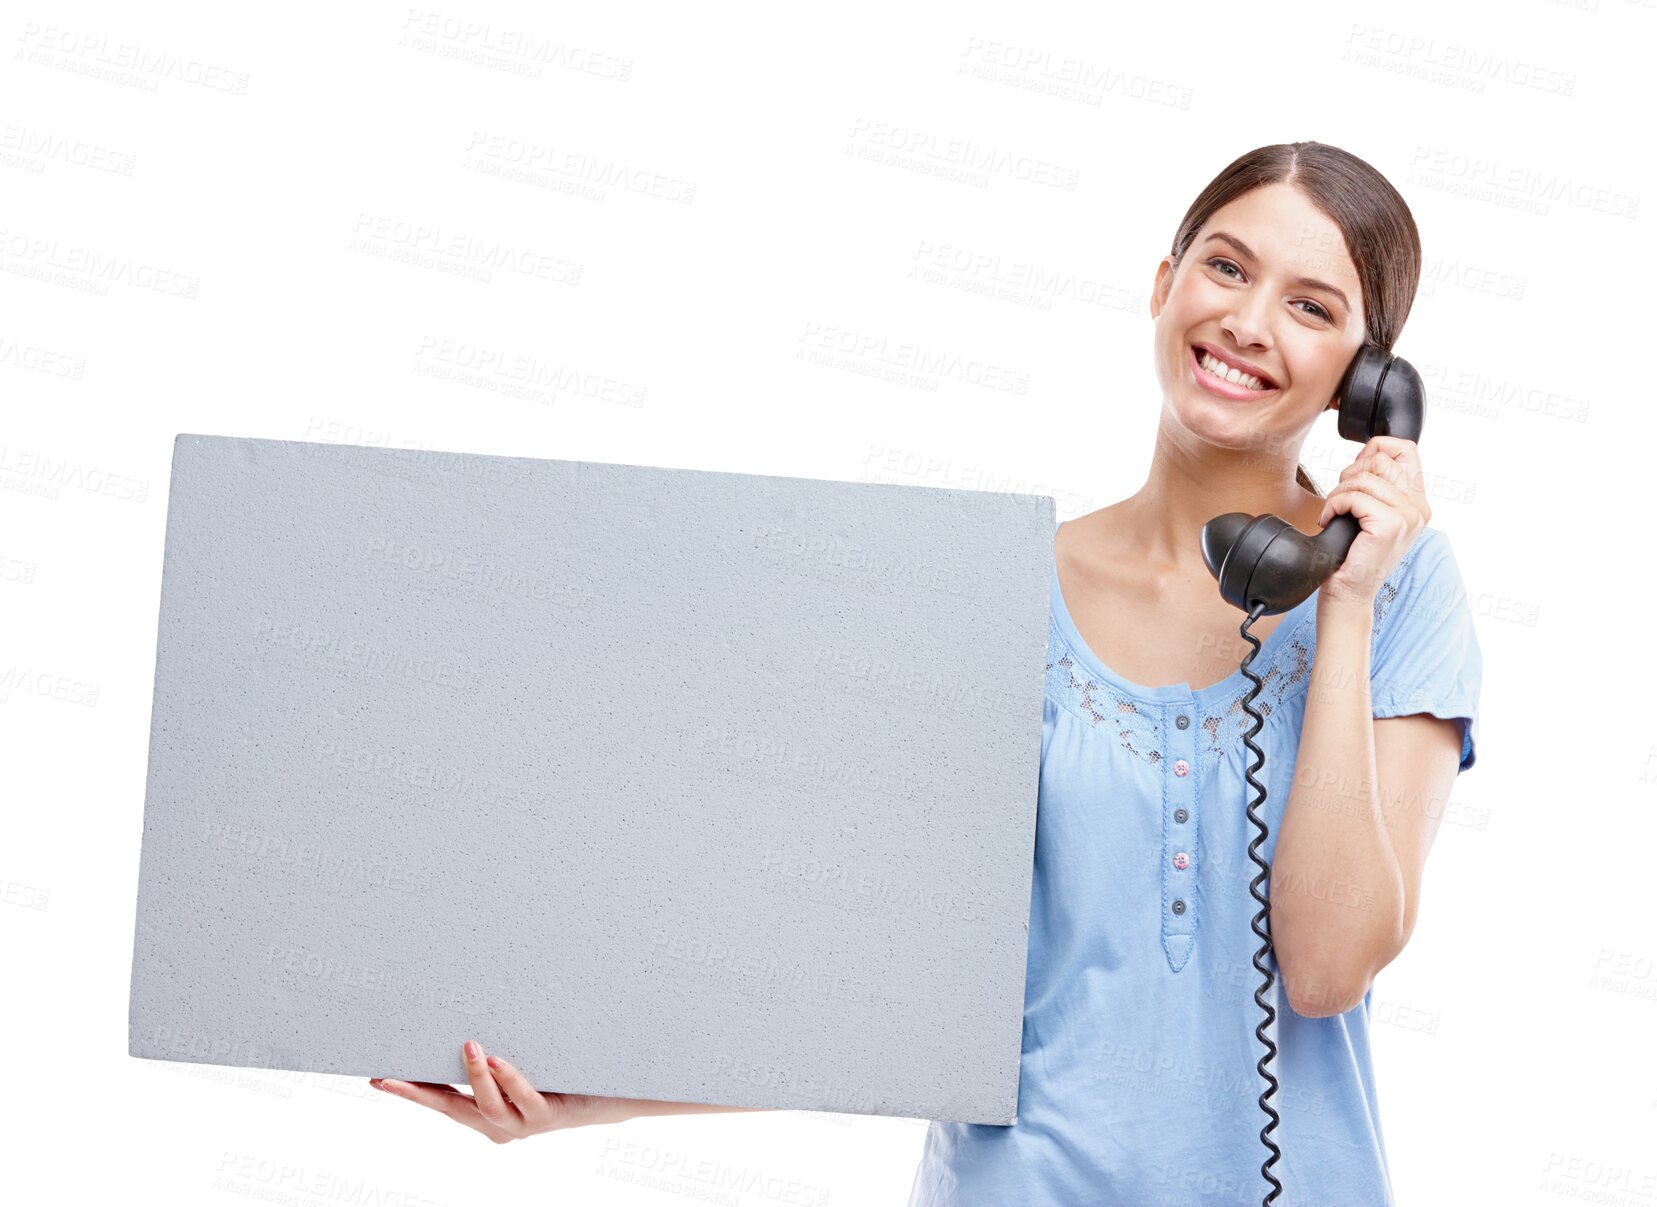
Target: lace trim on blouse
{"points": [[1138, 723]]}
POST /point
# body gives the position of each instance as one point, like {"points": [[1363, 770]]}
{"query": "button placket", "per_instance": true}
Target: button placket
{"points": [[1179, 923]]}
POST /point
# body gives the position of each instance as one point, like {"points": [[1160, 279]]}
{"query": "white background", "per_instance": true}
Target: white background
{"points": [[214, 220]]}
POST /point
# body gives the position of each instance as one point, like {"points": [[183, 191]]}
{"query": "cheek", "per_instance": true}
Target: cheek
{"points": [[1174, 327], [1314, 363]]}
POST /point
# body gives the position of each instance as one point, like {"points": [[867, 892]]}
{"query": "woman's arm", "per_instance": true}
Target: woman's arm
{"points": [[1366, 803], [1370, 782], [1337, 896]]}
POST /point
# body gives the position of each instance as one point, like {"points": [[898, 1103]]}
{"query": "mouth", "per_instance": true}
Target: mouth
{"points": [[1215, 376]]}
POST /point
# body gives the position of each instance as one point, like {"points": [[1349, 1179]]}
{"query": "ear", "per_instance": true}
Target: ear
{"points": [[1159, 288]]}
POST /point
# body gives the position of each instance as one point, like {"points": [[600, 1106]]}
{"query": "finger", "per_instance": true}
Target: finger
{"points": [[1344, 498], [1370, 483], [490, 1103], [1377, 452], [444, 1101], [1381, 460], [400, 1086], [1408, 487], [1352, 502], [441, 1087], [1368, 458], [1397, 446], [536, 1108], [1380, 507], [1387, 466]]}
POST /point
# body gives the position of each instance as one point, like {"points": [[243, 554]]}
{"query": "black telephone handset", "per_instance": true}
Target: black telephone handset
{"points": [[1265, 565], [1264, 559]]}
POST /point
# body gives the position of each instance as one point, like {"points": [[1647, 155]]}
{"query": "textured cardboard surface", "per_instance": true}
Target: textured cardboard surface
{"points": [[662, 783]]}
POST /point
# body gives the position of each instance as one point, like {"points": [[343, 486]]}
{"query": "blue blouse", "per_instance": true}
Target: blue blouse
{"points": [[1138, 1082]]}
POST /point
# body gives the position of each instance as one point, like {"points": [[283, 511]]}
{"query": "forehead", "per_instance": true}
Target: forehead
{"points": [[1286, 231]]}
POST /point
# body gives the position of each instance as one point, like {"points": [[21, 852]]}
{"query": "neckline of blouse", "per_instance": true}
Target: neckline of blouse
{"points": [[1176, 693]]}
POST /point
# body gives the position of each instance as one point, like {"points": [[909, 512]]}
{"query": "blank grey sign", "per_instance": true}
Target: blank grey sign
{"points": [[662, 783]]}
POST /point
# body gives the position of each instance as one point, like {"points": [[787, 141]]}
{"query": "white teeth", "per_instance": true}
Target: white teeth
{"points": [[1235, 376]]}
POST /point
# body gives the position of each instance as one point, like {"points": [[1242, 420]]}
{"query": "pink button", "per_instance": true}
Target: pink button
{"points": [[1181, 860], [1181, 766]]}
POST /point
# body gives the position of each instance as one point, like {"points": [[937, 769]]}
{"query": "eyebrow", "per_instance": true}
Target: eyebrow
{"points": [[1308, 282]]}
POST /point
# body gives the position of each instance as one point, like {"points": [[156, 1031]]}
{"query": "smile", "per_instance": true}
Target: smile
{"points": [[1215, 376]]}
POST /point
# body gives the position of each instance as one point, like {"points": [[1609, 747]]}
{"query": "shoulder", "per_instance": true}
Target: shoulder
{"points": [[1091, 544], [1426, 656], [1426, 582], [1424, 628], [1087, 529]]}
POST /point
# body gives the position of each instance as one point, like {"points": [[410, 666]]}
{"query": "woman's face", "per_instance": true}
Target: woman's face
{"points": [[1266, 283]]}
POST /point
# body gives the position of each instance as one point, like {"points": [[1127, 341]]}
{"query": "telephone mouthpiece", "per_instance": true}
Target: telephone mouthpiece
{"points": [[1264, 561], [1219, 535]]}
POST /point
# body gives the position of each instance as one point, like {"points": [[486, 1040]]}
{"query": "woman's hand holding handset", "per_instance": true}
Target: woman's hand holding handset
{"points": [[505, 1107]]}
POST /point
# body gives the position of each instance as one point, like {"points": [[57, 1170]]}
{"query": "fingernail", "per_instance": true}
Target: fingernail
{"points": [[494, 1062], [472, 1050], [375, 1082]]}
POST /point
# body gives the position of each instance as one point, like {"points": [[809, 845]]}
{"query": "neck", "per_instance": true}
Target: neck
{"points": [[1191, 482]]}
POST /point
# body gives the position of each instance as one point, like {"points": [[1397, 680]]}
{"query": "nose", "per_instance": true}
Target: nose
{"points": [[1247, 323]]}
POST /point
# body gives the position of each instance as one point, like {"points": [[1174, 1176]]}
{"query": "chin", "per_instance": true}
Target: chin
{"points": [[1223, 424]]}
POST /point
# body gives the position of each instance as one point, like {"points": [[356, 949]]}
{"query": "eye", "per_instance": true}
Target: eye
{"points": [[1222, 262]]}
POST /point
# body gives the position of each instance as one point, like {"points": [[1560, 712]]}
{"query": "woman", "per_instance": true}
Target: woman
{"points": [[1138, 1081]]}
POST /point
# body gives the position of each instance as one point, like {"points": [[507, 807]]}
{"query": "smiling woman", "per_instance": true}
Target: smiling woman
{"points": [[1139, 1074], [1359, 246]]}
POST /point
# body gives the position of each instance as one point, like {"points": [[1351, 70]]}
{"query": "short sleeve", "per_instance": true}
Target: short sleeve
{"points": [[1425, 655]]}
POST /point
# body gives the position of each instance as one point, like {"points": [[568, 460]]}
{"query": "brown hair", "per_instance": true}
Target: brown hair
{"points": [[1377, 225]]}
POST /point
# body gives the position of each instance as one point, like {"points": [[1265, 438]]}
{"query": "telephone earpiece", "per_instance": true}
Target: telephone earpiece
{"points": [[1264, 560]]}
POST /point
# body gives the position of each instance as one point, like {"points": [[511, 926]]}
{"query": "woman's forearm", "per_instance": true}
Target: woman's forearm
{"points": [[1336, 890]]}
